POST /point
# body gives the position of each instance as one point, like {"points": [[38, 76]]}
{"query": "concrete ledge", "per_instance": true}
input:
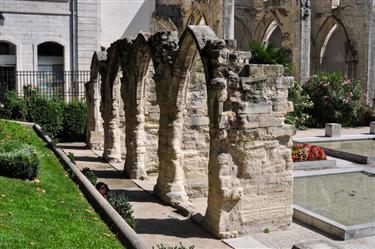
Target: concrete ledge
{"points": [[332, 227], [19, 122], [320, 164], [126, 234], [325, 224], [309, 140]]}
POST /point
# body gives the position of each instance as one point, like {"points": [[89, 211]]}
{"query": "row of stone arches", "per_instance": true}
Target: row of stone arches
{"points": [[240, 131]]}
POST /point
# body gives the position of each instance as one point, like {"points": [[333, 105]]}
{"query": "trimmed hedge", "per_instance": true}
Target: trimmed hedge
{"points": [[59, 120], [74, 122], [13, 107], [18, 160], [121, 204], [47, 113]]}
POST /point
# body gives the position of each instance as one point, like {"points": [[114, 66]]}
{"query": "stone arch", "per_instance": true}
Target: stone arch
{"points": [[94, 121], [333, 49], [242, 34], [266, 26], [134, 59], [273, 35], [112, 109], [172, 96], [164, 24], [197, 15]]}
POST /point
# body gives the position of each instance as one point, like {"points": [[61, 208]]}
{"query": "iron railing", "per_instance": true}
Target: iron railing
{"points": [[67, 85]]}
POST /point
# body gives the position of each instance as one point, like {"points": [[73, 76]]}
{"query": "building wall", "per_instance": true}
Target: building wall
{"points": [[29, 23], [252, 19], [353, 17], [125, 19], [88, 22]]}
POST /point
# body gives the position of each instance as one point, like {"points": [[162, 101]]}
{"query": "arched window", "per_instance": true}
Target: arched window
{"points": [[8, 64], [50, 76], [273, 35], [332, 55], [50, 57]]}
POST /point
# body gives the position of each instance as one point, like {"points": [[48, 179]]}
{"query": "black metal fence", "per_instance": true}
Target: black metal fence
{"points": [[67, 85]]}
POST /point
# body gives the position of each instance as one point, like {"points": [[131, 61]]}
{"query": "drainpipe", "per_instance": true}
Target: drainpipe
{"points": [[73, 35], [73, 50]]}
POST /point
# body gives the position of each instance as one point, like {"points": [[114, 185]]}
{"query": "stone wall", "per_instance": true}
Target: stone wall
{"points": [[195, 134], [152, 114], [253, 18]]}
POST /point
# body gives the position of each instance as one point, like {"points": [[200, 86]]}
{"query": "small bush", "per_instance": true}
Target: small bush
{"points": [[336, 99], [74, 122], [72, 157], [268, 54], [161, 246], [13, 107], [90, 175], [301, 102], [121, 204], [48, 113], [18, 160], [306, 152]]}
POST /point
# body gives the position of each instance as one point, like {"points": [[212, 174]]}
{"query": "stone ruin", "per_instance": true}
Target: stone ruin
{"points": [[211, 124]]}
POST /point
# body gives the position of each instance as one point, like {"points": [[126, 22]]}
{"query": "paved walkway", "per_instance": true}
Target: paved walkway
{"points": [[157, 222], [161, 224]]}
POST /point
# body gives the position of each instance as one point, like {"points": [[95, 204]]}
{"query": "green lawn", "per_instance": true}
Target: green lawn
{"points": [[51, 213]]}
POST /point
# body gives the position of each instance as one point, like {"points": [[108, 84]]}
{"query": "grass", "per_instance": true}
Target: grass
{"points": [[50, 212]]}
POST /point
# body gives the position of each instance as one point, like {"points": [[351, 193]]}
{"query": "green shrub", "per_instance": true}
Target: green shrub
{"points": [[90, 175], [48, 113], [13, 107], [336, 99], [301, 102], [121, 204], [268, 54], [161, 246], [74, 122], [71, 157], [18, 160]]}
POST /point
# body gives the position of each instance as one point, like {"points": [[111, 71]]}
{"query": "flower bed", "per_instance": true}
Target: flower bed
{"points": [[308, 156], [307, 152]]}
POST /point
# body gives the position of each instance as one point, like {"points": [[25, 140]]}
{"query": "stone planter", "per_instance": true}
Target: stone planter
{"points": [[320, 164]]}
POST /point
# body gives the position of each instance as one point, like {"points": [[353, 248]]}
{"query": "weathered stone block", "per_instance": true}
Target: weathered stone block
{"points": [[333, 130], [372, 128]]}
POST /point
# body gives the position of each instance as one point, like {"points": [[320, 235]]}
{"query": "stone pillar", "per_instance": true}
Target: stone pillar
{"points": [[111, 110], [305, 40], [170, 186], [371, 56], [94, 127], [228, 19], [250, 174], [94, 130], [134, 59]]}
